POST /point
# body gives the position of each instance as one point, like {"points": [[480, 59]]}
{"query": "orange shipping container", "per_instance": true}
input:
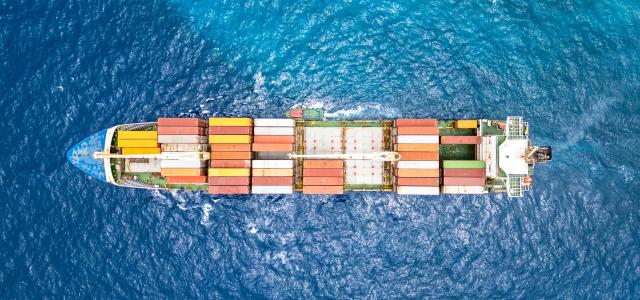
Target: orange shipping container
{"points": [[230, 155], [230, 163], [272, 172], [323, 181], [455, 140], [175, 130], [271, 181], [416, 123], [417, 172], [418, 130], [323, 189], [274, 139], [228, 189], [323, 163], [272, 147], [417, 147], [231, 147], [182, 122], [187, 180], [323, 172], [419, 155], [417, 181], [228, 180], [230, 130], [167, 172]]}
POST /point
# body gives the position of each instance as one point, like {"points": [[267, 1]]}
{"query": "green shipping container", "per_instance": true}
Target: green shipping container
{"points": [[463, 164]]}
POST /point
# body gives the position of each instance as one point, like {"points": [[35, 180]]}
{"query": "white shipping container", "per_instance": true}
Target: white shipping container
{"points": [[463, 189], [184, 147], [181, 164], [272, 164], [271, 189], [418, 164], [418, 190], [418, 139], [273, 130], [274, 123], [182, 139]]}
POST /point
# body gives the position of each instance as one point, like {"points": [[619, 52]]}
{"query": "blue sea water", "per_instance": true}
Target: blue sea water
{"points": [[71, 68]]}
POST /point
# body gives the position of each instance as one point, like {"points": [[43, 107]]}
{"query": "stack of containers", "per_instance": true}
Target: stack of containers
{"points": [[138, 142], [417, 172], [182, 135], [273, 138], [323, 177], [463, 176], [230, 164]]}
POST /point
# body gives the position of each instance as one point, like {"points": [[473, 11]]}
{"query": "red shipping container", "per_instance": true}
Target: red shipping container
{"points": [[228, 180], [323, 181], [323, 164], [272, 147], [229, 189], [416, 123], [456, 140], [231, 147], [174, 130], [180, 122], [464, 181], [323, 189], [418, 130], [323, 172], [266, 180], [230, 163], [230, 155], [476, 173], [295, 113], [186, 179], [274, 139], [230, 130], [419, 155], [414, 181]]}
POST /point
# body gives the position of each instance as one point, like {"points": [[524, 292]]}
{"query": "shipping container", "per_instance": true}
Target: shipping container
{"points": [[230, 163], [463, 181], [236, 172], [465, 173], [418, 130], [184, 147], [323, 164], [274, 123], [181, 172], [237, 122], [187, 180], [323, 180], [463, 164], [419, 155], [182, 164], [229, 180], [272, 164], [463, 189], [180, 122], [272, 172], [295, 113], [416, 123], [132, 151], [228, 189], [272, 147], [274, 139], [417, 147], [457, 140], [181, 130], [277, 189], [276, 180], [470, 124], [229, 139], [230, 155], [230, 130], [418, 164], [138, 143], [417, 139], [182, 139], [231, 147], [416, 173], [137, 135], [323, 189], [273, 131], [418, 190], [417, 181], [323, 172]]}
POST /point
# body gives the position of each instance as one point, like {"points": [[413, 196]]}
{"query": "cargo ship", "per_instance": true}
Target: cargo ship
{"points": [[305, 152]]}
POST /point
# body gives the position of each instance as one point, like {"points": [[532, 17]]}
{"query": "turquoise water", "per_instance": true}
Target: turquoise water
{"points": [[72, 68]]}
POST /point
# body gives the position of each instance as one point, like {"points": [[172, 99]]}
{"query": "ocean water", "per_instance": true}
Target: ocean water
{"points": [[70, 68]]}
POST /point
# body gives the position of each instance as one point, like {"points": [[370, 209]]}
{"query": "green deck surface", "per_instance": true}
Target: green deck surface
{"points": [[457, 152], [463, 164]]}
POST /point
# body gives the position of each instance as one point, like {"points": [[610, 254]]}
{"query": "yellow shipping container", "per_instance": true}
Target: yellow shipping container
{"points": [[130, 151], [181, 172], [272, 172], [138, 143], [137, 135], [229, 139], [467, 124], [236, 172], [230, 122]]}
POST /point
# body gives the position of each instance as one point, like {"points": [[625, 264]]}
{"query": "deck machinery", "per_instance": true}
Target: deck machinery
{"points": [[307, 153]]}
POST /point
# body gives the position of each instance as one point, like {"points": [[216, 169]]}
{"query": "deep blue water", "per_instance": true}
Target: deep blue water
{"points": [[71, 68]]}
